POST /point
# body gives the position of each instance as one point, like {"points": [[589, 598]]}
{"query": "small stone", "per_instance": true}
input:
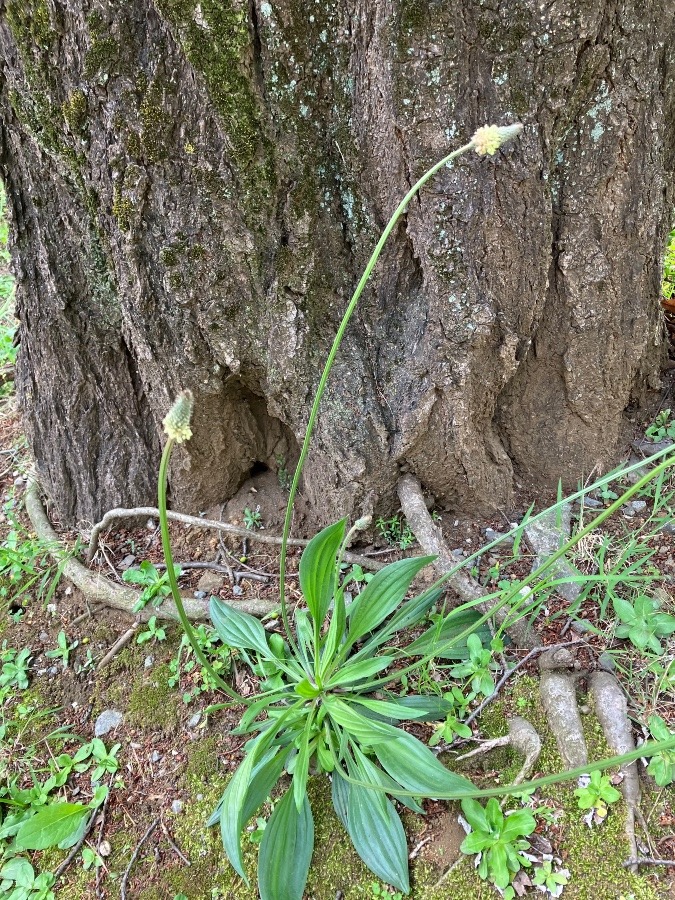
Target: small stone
{"points": [[107, 721], [150, 525], [590, 502], [606, 662], [458, 553], [210, 582], [177, 806], [200, 595], [638, 506], [493, 535], [44, 637], [237, 591], [668, 528], [127, 562], [148, 662], [155, 756], [52, 671], [195, 720], [104, 848]]}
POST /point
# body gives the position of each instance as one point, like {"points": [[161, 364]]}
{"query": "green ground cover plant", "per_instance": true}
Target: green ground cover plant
{"points": [[668, 284]]}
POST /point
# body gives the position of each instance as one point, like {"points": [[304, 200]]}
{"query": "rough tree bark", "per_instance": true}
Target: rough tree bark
{"points": [[196, 186]]}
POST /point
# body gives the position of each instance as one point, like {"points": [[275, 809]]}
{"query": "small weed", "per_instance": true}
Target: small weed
{"points": [[185, 662], [500, 841], [662, 428], [283, 475], [552, 880], [14, 672], [382, 892], [642, 623], [25, 565], [596, 793], [62, 650], [153, 631], [662, 766], [155, 586], [252, 518], [396, 532]]}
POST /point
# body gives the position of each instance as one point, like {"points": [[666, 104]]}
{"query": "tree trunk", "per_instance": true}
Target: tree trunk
{"points": [[196, 187]]}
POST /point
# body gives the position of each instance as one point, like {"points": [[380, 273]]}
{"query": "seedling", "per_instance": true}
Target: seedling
{"points": [[154, 631], [252, 518], [155, 586], [477, 667], [14, 668], [552, 880], [62, 650], [662, 766], [642, 623], [18, 881], [499, 839], [596, 792], [396, 532], [662, 428]]}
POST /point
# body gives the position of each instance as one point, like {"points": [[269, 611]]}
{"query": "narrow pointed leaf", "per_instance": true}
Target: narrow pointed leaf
{"points": [[286, 850], [391, 710], [416, 768], [441, 638], [237, 629], [340, 797], [232, 814], [317, 569], [371, 773], [362, 729], [301, 770], [383, 593], [378, 836], [360, 670]]}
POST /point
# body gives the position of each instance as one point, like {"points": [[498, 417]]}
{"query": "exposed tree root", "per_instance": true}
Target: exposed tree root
{"points": [[559, 700], [146, 512], [612, 712], [99, 589], [523, 737], [431, 540]]}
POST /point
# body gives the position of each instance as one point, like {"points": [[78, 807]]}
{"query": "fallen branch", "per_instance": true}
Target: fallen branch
{"points": [[99, 589], [145, 512], [117, 646], [134, 857], [431, 540]]}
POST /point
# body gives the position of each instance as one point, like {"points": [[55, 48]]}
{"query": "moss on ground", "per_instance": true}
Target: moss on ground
{"points": [[152, 703]]}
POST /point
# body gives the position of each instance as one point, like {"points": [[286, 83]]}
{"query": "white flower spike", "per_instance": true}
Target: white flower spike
{"points": [[489, 138]]}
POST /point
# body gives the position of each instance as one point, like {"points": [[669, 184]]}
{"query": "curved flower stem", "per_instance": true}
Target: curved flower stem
{"points": [[171, 575], [398, 212]]}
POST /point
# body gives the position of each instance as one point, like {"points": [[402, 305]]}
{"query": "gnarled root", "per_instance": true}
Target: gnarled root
{"points": [[431, 540], [559, 700], [99, 589]]}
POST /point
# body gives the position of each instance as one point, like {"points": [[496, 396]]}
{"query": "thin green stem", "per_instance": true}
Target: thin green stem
{"points": [[400, 209], [177, 599]]}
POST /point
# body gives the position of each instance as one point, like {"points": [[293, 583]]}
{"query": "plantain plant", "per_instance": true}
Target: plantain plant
{"points": [[327, 703]]}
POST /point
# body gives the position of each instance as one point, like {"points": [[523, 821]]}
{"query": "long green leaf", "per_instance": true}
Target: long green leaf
{"points": [[336, 633], [374, 774], [440, 638], [317, 569], [416, 768], [238, 629], [360, 728], [301, 770], [286, 850], [378, 836], [382, 595], [265, 775], [360, 670], [53, 824], [395, 711], [340, 797], [232, 813]]}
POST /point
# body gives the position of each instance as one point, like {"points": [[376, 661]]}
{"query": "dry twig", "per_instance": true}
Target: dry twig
{"points": [[134, 857]]}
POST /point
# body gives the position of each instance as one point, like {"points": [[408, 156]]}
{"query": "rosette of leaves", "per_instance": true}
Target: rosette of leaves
{"points": [[662, 766], [321, 716], [642, 622], [499, 839]]}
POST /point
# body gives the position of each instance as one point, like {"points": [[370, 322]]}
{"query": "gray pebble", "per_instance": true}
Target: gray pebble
{"points": [[107, 721], [590, 502], [127, 562], [52, 671], [668, 528], [195, 720], [493, 535], [148, 662], [236, 590], [177, 806], [155, 756], [44, 637], [200, 595]]}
